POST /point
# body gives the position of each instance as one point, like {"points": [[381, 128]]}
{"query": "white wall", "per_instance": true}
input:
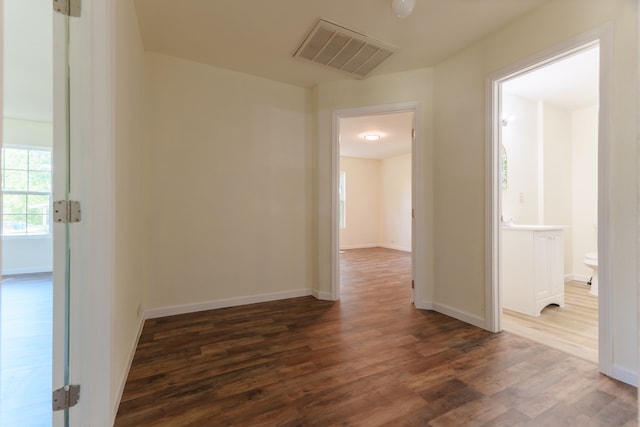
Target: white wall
{"points": [[395, 204], [584, 124], [378, 203], [229, 187], [362, 203], [460, 190], [520, 140], [130, 195], [557, 166], [33, 254]]}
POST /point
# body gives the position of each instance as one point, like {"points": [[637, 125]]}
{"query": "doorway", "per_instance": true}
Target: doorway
{"points": [[547, 210], [26, 289], [382, 143], [549, 203]]}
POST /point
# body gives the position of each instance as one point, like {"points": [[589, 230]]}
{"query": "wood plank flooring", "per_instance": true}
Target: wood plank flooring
{"points": [[370, 359], [26, 328], [572, 328]]}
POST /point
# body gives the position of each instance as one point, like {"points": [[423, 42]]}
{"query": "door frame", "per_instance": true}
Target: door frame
{"points": [[604, 38], [417, 193], [92, 43]]}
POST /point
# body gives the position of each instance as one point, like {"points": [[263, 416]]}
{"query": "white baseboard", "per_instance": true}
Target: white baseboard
{"points": [[423, 305], [396, 247], [28, 270], [222, 303], [322, 295], [625, 375], [363, 246], [577, 278], [452, 312], [375, 245], [132, 353]]}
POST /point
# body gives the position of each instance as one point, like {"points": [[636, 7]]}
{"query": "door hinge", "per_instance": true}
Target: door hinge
{"points": [[413, 213], [66, 397], [413, 284], [67, 7], [413, 134], [65, 211]]}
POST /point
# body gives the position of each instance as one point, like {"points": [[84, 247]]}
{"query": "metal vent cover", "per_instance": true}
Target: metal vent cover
{"points": [[337, 47]]}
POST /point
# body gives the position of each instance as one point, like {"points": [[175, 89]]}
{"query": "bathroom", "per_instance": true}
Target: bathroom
{"points": [[549, 169]]}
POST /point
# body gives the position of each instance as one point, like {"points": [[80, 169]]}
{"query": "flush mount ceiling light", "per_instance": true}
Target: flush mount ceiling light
{"points": [[402, 8], [371, 137]]}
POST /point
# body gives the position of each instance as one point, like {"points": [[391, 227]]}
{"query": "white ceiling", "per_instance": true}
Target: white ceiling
{"points": [[571, 83], [28, 56], [394, 130], [260, 37]]}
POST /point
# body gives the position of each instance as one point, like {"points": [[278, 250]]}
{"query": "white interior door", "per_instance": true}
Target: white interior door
{"points": [[87, 346]]}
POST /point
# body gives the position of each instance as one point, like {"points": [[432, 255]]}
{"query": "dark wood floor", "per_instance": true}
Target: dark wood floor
{"points": [[371, 359]]}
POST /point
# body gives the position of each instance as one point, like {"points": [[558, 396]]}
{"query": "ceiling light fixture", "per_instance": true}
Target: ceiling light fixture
{"points": [[402, 8], [371, 137]]}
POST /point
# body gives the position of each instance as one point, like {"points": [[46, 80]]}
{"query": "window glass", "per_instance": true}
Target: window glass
{"points": [[26, 191]]}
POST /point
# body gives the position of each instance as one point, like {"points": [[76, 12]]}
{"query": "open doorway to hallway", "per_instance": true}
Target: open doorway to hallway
{"points": [[375, 191], [548, 173]]}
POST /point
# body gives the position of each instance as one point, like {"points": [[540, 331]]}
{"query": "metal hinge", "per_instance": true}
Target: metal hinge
{"points": [[66, 397], [413, 285], [413, 134], [67, 7], [65, 211]]}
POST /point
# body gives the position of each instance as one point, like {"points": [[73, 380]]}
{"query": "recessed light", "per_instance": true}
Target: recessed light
{"points": [[371, 137]]}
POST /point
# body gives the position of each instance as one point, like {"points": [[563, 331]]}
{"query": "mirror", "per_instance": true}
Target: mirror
{"points": [[503, 166]]}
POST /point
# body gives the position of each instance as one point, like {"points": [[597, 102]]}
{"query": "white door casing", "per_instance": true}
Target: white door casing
{"points": [[602, 37]]}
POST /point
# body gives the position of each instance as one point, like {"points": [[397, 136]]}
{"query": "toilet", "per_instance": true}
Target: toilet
{"points": [[591, 261]]}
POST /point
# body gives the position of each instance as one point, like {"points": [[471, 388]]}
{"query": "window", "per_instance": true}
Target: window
{"points": [[341, 198], [26, 191]]}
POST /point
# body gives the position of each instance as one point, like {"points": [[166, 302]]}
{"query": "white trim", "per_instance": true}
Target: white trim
{"points": [[326, 296], [576, 278], [92, 240], [223, 303], [396, 248], [27, 270], [625, 375], [132, 353], [638, 192], [452, 312], [417, 185], [602, 36], [362, 246], [424, 305], [375, 245]]}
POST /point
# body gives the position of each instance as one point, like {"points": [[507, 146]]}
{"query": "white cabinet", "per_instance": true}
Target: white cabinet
{"points": [[532, 267]]}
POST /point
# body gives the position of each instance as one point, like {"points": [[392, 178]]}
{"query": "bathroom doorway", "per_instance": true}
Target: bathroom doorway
{"points": [[549, 140], [374, 177]]}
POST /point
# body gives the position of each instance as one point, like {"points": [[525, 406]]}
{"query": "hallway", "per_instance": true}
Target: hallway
{"points": [[370, 359]]}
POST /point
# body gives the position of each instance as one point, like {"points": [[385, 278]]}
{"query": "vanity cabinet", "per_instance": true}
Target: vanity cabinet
{"points": [[532, 268]]}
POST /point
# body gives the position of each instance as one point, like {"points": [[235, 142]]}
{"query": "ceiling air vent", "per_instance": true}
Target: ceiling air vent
{"points": [[343, 49]]}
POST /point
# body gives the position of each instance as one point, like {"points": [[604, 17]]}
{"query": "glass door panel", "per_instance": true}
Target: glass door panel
{"points": [[61, 231]]}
